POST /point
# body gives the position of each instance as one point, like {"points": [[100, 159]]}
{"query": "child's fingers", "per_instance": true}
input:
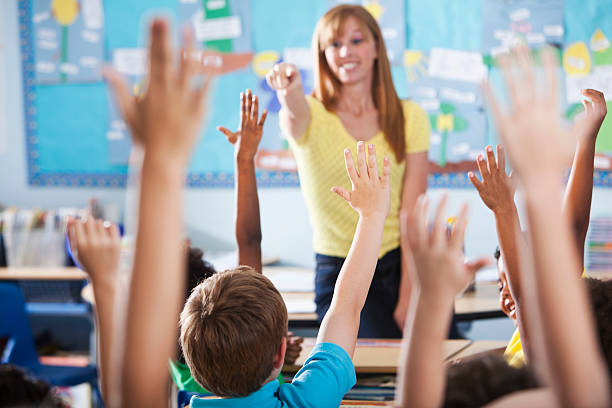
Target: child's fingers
{"points": [[262, 119], [70, 229], [243, 109], [491, 162], [120, 88], [386, 173], [112, 230], [160, 53], [361, 160], [528, 84], [80, 235], [458, 230], [494, 106], [482, 167], [477, 183], [342, 193], [231, 137], [200, 95], [501, 158], [189, 62], [372, 164], [420, 221], [254, 108], [550, 68], [350, 166], [506, 67], [439, 223], [249, 104]]}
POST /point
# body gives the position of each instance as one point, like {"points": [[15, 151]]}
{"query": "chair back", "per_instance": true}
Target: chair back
{"points": [[15, 325]]}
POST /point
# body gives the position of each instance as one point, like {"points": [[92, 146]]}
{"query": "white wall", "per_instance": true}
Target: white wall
{"points": [[208, 212]]}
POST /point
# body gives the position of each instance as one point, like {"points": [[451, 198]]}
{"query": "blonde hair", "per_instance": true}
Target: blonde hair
{"points": [[232, 326], [327, 86]]}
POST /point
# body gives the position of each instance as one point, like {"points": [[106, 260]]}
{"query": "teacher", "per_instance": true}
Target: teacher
{"points": [[354, 99]]}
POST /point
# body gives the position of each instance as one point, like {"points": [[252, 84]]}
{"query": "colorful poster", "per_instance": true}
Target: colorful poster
{"points": [[509, 22], [68, 40], [587, 63], [446, 83]]}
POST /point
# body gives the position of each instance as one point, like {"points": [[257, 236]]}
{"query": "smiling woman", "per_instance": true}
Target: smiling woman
{"points": [[354, 99]]}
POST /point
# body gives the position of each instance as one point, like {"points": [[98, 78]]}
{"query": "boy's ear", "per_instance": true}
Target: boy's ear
{"points": [[279, 357]]}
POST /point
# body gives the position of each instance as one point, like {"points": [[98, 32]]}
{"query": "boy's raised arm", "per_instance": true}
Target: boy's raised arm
{"points": [[166, 119], [246, 141], [440, 274], [370, 198], [579, 190], [539, 149]]}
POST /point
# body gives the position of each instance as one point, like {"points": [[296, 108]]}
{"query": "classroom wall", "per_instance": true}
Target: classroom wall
{"points": [[208, 212]]}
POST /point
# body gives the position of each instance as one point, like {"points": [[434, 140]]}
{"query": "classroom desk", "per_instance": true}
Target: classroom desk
{"points": [[376, 356], [297, 284], [481, 346], [42, 273]]}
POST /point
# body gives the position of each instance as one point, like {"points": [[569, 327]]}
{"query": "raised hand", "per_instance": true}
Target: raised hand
{"points": [[97, 246], [588, 123], [497, 187], [246, 139], [166, 118], [370, 192], [284, 77], [438, 258], [531, 128]]}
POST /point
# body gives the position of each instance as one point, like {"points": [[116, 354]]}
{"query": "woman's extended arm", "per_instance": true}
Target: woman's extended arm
{"points": [[285, 79]]}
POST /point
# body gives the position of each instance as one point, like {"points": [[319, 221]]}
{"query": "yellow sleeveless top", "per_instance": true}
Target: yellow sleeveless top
{"points": [[319, 154]]}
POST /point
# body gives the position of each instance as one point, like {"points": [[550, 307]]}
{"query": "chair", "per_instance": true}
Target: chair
{"points": [[20, 349]]}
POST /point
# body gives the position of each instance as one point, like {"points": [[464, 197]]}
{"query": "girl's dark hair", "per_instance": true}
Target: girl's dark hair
{"points": [[17, 389], [600, 296], [476, 381], [197, 271]]}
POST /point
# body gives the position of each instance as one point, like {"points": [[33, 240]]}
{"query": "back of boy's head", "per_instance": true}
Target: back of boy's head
{"points": [[484, 378], [232, 326], [17, 389], [600, 295]]}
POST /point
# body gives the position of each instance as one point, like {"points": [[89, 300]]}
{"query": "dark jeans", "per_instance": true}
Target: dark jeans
{"points": [[377, 314]]}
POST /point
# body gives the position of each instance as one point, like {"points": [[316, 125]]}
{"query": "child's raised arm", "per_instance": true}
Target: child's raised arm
{"points": [[97, 245], [579, 190], [441, 274], [167, 119], [370, 198], [246, 141], [540, 149]]}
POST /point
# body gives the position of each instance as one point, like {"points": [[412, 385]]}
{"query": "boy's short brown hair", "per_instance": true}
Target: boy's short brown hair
{"points": [[232, 325]]}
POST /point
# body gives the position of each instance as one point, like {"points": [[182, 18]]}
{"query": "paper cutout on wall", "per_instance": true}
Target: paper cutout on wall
{"points": [[455, 108], [531, 22], [68, 39]]}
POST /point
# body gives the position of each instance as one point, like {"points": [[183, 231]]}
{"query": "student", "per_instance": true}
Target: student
{"points": [[539, 150], [18, 390], [242, 301], [248, 227], [497, 192]]}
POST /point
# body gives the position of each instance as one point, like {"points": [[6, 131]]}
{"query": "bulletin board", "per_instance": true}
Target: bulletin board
{"points": [[440, 51]]}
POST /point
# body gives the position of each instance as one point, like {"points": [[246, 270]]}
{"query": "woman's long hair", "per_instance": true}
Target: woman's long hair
{"points": [[327, 86]]}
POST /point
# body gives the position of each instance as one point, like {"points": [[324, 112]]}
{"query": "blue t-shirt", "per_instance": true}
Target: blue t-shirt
{"points": [[326, 376]]}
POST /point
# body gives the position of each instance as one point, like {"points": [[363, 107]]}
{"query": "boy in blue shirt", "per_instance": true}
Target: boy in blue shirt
{"points": [[234, 324]]}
